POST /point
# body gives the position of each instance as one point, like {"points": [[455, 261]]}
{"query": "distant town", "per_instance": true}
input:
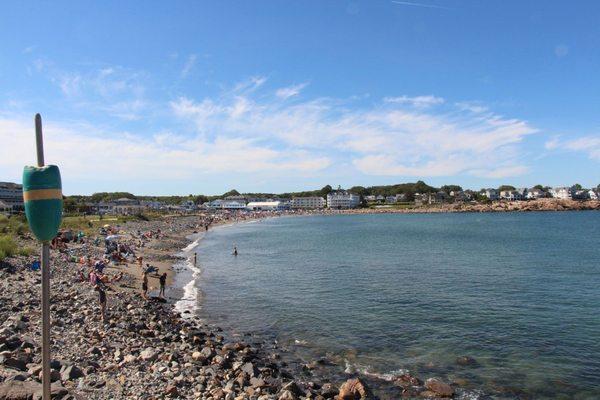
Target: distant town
{"points": [[417, 194]]}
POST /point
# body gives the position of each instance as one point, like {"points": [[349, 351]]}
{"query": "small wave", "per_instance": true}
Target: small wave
{"points": [[191, 246], [299, 342], [367, 370], [189, 300]]}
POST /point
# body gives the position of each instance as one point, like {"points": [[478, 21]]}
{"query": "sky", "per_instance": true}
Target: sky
{"points": [[200, 97]]}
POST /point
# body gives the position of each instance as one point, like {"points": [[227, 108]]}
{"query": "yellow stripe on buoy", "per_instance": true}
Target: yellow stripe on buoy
{"points": [[42, 194]]}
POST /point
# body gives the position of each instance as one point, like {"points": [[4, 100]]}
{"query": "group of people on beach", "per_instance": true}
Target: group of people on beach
{"points": [[117, 251]]}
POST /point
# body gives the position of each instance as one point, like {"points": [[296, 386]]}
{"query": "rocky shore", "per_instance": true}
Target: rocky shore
{"points": [[495, 206], [147, 350]]}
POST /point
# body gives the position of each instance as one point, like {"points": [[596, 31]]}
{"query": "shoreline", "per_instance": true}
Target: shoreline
{"points": [[154, 348]]}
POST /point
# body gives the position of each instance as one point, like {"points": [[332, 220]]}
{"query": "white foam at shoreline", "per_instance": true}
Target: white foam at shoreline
{"points": [[189, 300]]}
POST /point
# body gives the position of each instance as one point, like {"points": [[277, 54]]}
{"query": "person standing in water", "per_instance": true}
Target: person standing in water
{"points": [[235, 252]]}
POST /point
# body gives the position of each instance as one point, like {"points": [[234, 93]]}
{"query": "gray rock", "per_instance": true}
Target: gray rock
{"points": [[70, 372]]}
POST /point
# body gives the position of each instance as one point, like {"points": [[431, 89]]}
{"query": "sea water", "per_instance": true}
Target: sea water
{"points": [[517, 292]]}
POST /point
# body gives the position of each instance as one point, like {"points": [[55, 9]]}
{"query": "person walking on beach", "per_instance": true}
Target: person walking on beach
{"points": [[100, 288], [163, 282], [145, 285]]}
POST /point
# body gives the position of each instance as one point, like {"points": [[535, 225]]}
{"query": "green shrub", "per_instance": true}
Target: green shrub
{"points": [[8, 248], [26, 251]]}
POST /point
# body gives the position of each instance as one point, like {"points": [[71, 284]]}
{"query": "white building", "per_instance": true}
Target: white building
{"points": [[12, 195], [371, 198], [267, 206], [221, 204], [563, 193], [593, 195], [341, 199], [5, 208], [511, 195], [491, 194], [308, 202], [535, 193], [127, 206]]}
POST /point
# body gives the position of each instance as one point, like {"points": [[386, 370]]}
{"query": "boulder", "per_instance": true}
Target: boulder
{"points": [[354, 389], [437, 386], [70, 372], [466, 361], [148, 354], [250, 369], [15, 363], [287, 395]]}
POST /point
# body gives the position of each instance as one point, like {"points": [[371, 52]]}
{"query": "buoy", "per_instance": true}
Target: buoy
{"points": [[42, 195]]}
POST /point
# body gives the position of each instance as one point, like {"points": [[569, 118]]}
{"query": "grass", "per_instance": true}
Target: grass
{"points": [[8, 247]]}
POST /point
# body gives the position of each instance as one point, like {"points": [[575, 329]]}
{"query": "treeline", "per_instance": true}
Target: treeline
{"points": [[408, 189]]}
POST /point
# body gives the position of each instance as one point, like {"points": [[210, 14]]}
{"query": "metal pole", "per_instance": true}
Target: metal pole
{"points": [[45, 279]]}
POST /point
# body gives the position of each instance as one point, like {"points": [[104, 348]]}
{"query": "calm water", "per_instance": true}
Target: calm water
{"points": [[520, 293]]}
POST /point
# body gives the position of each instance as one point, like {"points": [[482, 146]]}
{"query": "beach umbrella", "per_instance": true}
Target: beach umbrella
{"points": [[42, 197], [113, 237]]}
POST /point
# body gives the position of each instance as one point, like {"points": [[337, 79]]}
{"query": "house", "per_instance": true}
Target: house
{"points": [[380, 198], [562, 193], [312, 202], [511, 195], [580, 194], [12, 195], [370, 198], [341, 199], [535, 193], [221, 204], [491, 194], [189, 205], [127, 206], [460, 196], [391, 199], [5, 208], [431, 198], [239, 198], [267, 206], [593, 195]]}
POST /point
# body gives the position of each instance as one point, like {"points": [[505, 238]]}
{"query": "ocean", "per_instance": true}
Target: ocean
{"points": [[519, 293]]}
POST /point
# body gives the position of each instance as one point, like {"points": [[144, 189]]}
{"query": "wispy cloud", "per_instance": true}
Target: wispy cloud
{"points": [[253, 129], [118, 91], [589, 145], [290, 91], [189, 64], [400, 136], [417, 101], [424, 5]]}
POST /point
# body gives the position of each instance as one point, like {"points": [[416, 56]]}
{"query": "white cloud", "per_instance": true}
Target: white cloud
{"points": [[83, 151], [250, 129], [401, 136], [417, 101], [119, 92], [189, 64], [589, 145], [290, 91]]}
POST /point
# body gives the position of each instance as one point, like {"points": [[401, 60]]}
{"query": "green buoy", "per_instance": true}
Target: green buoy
{"points": [[42, 195]]}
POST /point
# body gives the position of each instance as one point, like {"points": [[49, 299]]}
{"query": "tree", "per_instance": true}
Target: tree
{"points": [[451, 188], [539, 187], [231, 193], [359, 190], [506, 187], [325, 190], [577, 186]]}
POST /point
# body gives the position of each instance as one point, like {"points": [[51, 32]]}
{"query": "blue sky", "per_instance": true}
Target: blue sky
{"points": [[201, 97]]}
